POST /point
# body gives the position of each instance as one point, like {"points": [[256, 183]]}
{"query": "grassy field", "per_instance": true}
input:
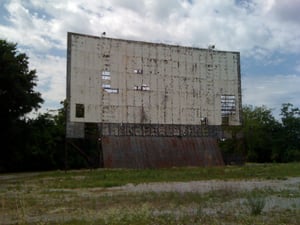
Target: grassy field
{"points": [[98, 197]]}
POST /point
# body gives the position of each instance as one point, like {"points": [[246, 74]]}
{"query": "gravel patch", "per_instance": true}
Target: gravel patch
{"points": [[212, 185]]}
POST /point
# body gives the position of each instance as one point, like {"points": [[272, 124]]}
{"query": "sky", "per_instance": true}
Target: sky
{"points": [[265, 32]]}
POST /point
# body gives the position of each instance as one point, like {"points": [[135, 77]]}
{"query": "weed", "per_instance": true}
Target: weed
{"points": [[255, 203]]}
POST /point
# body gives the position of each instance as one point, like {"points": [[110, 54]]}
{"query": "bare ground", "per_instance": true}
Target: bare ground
{"points": [[212, 185], [66, 212]]}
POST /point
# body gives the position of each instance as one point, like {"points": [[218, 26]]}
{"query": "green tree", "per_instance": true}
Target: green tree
{"points": [[260, 130], [290, 136], [17, 82], [233, 149], [268, 140], [41, 142], [45, 143], [17, 98]]}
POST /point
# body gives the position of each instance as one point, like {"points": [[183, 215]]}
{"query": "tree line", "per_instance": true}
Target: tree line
{"points": [[262, 138], [38, 143]]}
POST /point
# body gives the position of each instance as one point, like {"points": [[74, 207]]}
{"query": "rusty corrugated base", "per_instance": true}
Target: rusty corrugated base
{"points": [[159, 152]]}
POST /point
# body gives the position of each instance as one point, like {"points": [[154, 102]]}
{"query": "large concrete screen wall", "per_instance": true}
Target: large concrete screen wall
{"points": [[131, 82]]}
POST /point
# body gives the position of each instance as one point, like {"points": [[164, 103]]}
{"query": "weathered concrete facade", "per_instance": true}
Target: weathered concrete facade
{"points": [[132, 88]]}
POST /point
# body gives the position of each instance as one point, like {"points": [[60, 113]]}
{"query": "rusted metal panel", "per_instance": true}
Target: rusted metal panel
{"points": [[160, 152]]}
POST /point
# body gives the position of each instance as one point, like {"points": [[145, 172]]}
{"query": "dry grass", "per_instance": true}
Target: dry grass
{"points": [[54, 198]]}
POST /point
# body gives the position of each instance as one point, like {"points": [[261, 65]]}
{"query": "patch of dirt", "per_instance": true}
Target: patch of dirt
{"points": [[212, 185]]}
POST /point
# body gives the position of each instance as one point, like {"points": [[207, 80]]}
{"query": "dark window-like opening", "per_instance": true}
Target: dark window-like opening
{"points": [[225, 120], [79, 110]]}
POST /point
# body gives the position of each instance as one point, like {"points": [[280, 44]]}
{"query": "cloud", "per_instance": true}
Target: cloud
{"points": [[51, 74], [271, 91], [287, 11], [258, 29], [247, 26], [28, 28]]}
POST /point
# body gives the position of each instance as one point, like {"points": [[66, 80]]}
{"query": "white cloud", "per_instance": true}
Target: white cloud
{"points": [[255, 28], [287, 11], [271, 91], [244, 27], [51, 72], [27, 29]]}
